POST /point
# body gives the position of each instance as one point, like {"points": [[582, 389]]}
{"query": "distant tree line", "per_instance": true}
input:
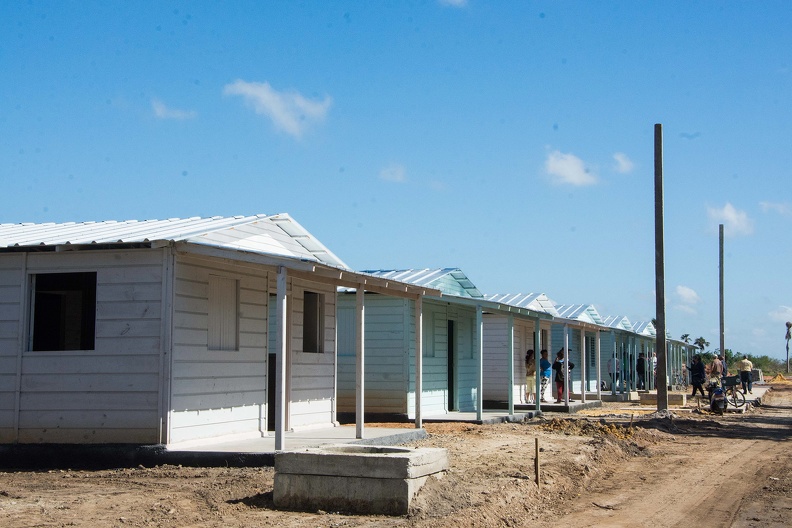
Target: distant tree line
{"points": [[769, 366]]}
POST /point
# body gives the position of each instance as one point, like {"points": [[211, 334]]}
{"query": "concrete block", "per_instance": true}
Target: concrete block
{"points": [[353, 477], [650, 398]]}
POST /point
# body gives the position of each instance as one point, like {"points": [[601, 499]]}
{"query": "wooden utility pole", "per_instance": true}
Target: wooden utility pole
{"points": [[662, 385], [720, 266]]}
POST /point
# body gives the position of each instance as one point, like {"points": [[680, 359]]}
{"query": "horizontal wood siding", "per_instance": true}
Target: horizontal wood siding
{"points": [[217, 393], [467, 358], [112, 393], [386, 351], [496, 354], [11, 281], [312, 388]]}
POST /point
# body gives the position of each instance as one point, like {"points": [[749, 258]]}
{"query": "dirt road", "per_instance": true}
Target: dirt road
{"points": [[691, 469]]}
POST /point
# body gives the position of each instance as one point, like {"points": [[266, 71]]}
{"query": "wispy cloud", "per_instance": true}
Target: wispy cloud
{"points": [[290, 112], [568, 169], [161, 111], [686, 299], [780, 208], [687, 295], [781, 314], [393, 173], [623, 163], [735, 222], [453, 3]]}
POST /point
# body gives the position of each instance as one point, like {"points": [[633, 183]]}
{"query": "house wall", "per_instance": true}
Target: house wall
{"points": [[107, 395], [312, 382], [496, 339], [388, 327], [216, 393], [390, 356], [222, 393]]}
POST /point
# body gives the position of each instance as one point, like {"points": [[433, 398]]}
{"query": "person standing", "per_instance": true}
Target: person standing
{"points": [[530, 376], [697, 375], [640, 368], [746, 374], [545, 371], [725, 366], [561, 371]]}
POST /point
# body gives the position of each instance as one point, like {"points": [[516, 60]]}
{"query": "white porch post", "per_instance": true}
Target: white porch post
{"points": [[480, 374], [583, 369], [598, 356], [614, 366], [566, 365], [511, 364], [418, 360], [537, 356], [360, 371], [281, 351]]}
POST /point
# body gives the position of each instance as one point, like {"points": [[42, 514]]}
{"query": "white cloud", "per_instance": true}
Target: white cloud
{"points": [[623, 163], [163, 112], [687, 295], [393, 173], [781, 314], [568, 169], [780, 208], [289, 111], [685, 308], [735, 222], [454, 3]]}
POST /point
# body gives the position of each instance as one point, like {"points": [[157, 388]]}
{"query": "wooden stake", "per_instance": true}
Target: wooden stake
{"points": [[536, 463]]}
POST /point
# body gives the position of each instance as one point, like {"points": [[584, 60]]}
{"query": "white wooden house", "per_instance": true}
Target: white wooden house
{"points": [[453, 359], [169, 331]]}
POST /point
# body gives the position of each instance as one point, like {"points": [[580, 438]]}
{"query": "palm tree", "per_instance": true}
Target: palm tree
{"points": [[685, 338], [701, 343]]}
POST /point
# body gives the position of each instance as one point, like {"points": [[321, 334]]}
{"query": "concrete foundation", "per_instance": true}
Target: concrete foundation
{"points": [[354, 478], [650, 398]]}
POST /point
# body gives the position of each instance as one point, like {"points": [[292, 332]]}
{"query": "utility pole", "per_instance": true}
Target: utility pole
{"points": [[722, 345], [662, 385]]}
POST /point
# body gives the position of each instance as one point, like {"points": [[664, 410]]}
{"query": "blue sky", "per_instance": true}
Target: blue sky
{"points": [[514, 140]]}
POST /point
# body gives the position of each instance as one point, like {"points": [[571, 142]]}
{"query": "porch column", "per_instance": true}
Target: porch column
{"points": [[597, 357], [583, 369], [537, 356], [480, 374], [511, 364], [566, 365], [418, 360], [360, 368], [280, 359], [614, 363]]}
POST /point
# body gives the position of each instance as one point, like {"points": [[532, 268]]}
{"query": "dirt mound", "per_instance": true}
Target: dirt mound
{"points": [[779, 379]]}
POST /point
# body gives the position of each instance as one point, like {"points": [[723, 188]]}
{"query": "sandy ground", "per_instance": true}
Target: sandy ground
{"points": [[686, 469]]}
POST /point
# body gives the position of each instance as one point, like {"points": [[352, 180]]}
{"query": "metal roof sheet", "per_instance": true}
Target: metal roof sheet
{"points": [[533, 301], [266, 234], [617, 321], [433, 278], [645, 328], [579, 312]]}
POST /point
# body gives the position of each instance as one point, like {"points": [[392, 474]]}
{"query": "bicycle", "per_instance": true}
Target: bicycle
{"points": [[734, 396], [680, 382]]}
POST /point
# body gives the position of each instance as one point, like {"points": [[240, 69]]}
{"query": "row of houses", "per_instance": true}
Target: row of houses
{"points": [[185, 331]]}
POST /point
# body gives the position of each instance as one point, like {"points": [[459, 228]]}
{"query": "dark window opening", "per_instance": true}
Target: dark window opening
{"points": [[313, 322], [64, 311]]}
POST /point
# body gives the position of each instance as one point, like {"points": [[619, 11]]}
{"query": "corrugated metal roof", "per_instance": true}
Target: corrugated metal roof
{"points": [[579, 312], [265, 234], [617, 321], [533, 301], [433, 278], [645, 328]]}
